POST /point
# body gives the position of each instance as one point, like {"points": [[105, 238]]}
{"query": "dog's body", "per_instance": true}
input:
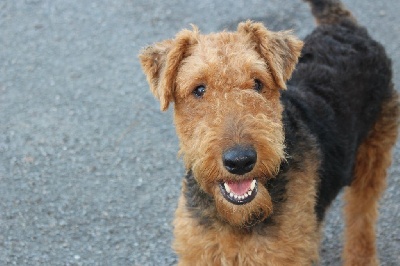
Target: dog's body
{"points": [[263, 163]]}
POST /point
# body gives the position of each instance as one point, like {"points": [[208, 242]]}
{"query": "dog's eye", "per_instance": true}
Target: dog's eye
{"points": [[258, 86], [199, 91]]}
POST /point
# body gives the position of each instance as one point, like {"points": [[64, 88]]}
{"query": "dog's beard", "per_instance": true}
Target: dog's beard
{"points": [[211, 178], [244, 215]]}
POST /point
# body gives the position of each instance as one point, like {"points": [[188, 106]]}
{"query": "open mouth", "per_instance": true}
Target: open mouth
{"points": [[239, 192]]}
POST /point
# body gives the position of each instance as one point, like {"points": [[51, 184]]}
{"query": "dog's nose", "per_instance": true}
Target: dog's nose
{"points": [[239, 159]]}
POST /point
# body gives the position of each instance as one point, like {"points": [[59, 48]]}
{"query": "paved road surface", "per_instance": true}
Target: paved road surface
{"points": [[88, 166]]}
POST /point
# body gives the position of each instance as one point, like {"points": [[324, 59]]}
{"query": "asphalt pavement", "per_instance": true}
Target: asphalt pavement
{"points": [[89, 173]]}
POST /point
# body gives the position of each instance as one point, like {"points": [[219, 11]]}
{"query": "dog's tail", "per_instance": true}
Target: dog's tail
{"points": [[330, 12]]}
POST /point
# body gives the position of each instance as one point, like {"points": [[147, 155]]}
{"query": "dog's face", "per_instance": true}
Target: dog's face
{"points": [[225, 88]]}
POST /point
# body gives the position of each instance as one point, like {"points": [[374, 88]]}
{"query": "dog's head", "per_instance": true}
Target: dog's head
{"points": [[226, 89]]}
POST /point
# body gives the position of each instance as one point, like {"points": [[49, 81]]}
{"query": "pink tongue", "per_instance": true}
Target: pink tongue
{"points": [[239, 188]]}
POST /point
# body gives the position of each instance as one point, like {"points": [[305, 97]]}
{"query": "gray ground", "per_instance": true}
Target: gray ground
{"points": [[88, 166]]}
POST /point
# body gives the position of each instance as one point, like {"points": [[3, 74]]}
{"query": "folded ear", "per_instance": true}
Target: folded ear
{"points": [[280, 50], [160, 62]]}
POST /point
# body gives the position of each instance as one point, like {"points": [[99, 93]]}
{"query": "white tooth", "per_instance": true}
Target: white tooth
{"points": [[249, 192], [240, 197], [253, 184], [227, 188], [236, 196], [231, 195], [246, 195]]}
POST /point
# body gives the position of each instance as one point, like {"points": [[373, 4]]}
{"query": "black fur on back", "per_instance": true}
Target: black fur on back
{"points": [[337, 89]]}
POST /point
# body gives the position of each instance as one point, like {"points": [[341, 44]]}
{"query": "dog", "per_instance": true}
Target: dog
{"points": [[271, 128]]}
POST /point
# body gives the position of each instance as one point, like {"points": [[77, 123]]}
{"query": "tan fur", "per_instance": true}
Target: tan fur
{"points": [[279, 49], [361, 210], [161, 61]]}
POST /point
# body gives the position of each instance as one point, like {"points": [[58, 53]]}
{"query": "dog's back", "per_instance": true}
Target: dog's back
{"points": [[348, 77], [342, 90]]}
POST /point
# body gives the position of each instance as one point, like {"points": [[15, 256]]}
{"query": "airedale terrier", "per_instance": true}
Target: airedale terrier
{"points": [[270, 131]]}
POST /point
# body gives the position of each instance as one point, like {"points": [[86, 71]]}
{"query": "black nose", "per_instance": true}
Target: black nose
{"points": [[239, 159]]}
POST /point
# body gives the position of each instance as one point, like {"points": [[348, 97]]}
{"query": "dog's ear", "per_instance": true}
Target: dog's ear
{"points": [[161, 61], [280, 50]]}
